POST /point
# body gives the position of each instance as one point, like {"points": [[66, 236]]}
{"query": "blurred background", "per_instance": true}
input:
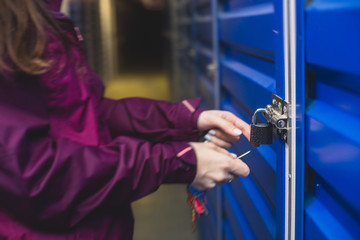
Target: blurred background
{"points": [[128, 44]]}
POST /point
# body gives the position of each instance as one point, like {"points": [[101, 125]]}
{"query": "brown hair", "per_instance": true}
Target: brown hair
{"points": [[23, 25]]}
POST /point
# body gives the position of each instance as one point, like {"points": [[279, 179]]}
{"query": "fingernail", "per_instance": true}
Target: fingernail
{"points": [[207, 137], [234, 155], [212, 132], [237, 131]]}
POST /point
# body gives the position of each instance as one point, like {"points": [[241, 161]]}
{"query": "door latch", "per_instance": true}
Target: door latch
{"points": [[277, 115]]}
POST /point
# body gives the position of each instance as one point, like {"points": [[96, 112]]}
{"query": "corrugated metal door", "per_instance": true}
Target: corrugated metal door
{"points": [[251, 70], [332, 192], [308, 53]]}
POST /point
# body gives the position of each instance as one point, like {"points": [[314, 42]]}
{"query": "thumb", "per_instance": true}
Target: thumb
{"points": [[222, 150], [240, 168]]}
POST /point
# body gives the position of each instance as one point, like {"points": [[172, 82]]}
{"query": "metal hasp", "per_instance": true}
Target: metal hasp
{"points": [[277, 115]]}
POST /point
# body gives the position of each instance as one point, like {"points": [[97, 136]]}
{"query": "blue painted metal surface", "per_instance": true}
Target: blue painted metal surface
{"points": [[207, 225], [206, 77], [251, 68], [300, 119], [332, 120]]}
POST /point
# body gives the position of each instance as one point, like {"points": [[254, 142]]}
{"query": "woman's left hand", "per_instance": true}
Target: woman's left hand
{"points": [[224, 127]]}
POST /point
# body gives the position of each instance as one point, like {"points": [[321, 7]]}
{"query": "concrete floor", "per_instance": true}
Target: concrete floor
{"points": [[164, 214], [153, 85]]}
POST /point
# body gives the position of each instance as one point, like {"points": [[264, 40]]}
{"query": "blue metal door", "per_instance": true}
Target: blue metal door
{"points": [[251, 70], [308, 53], [255, 63], [332, 195]]}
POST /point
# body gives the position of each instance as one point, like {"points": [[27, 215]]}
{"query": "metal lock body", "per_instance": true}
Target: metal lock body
{"points": [[261, 133], [277, 115]]}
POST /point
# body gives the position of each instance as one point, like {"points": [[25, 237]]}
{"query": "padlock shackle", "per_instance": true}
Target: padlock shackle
{"points": [[256, 112]]}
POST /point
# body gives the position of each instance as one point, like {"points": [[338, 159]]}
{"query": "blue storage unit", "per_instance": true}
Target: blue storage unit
{"points": [[332, 30], [308, 53], [251, 68], [206, 57]]}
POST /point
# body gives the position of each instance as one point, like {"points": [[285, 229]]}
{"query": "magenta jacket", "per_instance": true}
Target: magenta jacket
{"points": [[71, 161]]}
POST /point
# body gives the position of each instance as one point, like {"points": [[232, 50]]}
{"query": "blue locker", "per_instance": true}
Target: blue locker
{"points": [[332, 30], [251, 68], [308, 53]]}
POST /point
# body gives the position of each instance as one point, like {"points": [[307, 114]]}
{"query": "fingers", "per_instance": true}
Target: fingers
{"points": [[220, 150], [222, 177], [224, 136], [218, 141], [231, 164], [227, 127], [230, 124], [237, 167], [231, 177], [215, 165], [203, 184], [238, 123], [224, 121]]}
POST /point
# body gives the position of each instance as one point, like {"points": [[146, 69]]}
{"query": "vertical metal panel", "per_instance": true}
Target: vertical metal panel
{"points": [[294, 89], [203, 45], [108, 39], [332, 119], [96, 21], [207, 85], [183, 53], [300, 120]]}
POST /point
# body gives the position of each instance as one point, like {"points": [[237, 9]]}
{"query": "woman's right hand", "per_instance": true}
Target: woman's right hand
{"points": [[215, 165]]}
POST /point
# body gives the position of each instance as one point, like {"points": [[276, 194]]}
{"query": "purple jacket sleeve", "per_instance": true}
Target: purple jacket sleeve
{"points": [[49, 180], [152, 119], [57, 183]]}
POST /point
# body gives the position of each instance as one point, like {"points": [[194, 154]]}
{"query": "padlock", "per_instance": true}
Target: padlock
{"points": [[261, 133]]}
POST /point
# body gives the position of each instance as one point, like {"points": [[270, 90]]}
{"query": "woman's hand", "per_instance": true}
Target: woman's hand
{"points": [[216, 165], [225, 128]]}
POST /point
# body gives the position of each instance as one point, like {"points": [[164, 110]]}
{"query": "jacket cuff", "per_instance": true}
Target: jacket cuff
{"points": [[184, 166], [189, 114]]}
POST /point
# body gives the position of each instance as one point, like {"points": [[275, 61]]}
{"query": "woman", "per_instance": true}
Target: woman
{"points": [[71, 161]]}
